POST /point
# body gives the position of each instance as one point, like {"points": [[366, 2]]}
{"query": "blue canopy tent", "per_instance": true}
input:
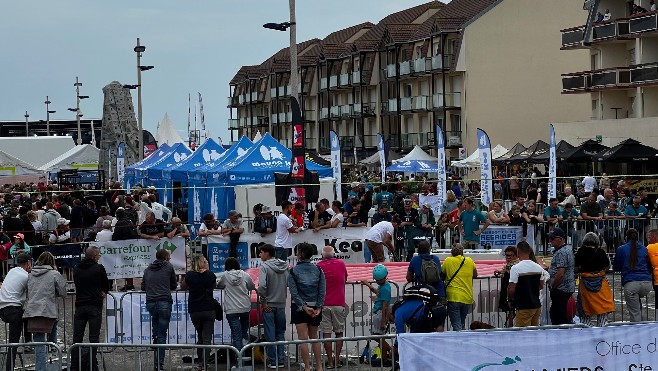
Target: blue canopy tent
{"points": [[129, 177], [197, 180], [414, 166], [206, 155], [154, 174]]}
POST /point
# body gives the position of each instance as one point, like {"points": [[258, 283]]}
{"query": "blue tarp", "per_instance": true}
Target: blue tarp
{"points": [[414, 166], [130, 175]]}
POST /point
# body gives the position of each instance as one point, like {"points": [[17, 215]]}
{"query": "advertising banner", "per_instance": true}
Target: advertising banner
{"points": [[121, 162], [441, 179], [501, 236], [129, 258], [552, 166], [335, 163], [629, 347], [486, 180]]}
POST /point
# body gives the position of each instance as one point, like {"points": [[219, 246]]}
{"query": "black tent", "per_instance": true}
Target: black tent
{"points": [[629, 150], [543, 158], [500, 161], [538, 148], [315, 157], [582, 153]]}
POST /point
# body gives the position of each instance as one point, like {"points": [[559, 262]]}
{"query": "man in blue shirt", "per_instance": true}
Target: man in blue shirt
{"points": [[384, 198], [415, 271], [469, 224]]}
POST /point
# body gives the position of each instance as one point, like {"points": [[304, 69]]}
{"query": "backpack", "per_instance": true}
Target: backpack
{"points": [[424, 323], [429, 271]]}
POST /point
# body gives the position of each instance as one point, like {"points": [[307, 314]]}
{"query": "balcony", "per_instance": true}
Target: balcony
{"points": [[610, 30], [324, 113], [453, 139], [245, 121], [363, 110], [345, 80], [390, 71], [409, 140], [273, 93], [610, 77], [420, 103], [325, 144], [422, 65], [309, 115], [644, 23], [441, 62], [347, 142], [405, 68], [285, 117], [405, 104], [311, 143], [242, 98], [323, 83], [345, 110], [232, 123], [274, 118], [615, 77], [572, 36], [390, 106], [366, 141], [257, 97], [334, 112], [356, 77], [575, 82], [232, 101], [286, 142], [333, 81], [646, 73], [283, 91], [450, 100]]}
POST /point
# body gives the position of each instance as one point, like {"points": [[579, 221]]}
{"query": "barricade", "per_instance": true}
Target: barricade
{"points": [[25, 355], [141, 356]]}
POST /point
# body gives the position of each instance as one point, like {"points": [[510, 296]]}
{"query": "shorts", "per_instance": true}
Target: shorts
{"points": [[333, 319], [298, 317], [375, 328]]}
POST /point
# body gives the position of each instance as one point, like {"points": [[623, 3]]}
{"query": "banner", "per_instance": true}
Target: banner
{"points": [[121, 162], [486, 180], [298, 168], [133, 322], [629, 347], [552, 166], [435, 202], [219, 248], [501, 236], [382, 156], [441, 179], [66, 255], [129, 258], [203, 118], [335, 163]]}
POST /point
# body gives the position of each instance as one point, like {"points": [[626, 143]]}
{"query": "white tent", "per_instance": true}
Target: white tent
{"points": [[10, 165], [36, 150], [374, 159], [83, 156], [417, 154], [474, 159], [167, 133]]}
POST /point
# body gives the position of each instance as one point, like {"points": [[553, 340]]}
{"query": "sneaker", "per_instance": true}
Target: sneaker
{"points": [[272, 366]]}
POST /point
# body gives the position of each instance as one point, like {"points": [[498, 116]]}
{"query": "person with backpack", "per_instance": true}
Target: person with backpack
{"points": [[425, 268], [458, 274]]}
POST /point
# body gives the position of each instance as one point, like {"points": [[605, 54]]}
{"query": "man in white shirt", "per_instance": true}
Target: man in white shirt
{"points": [[380, 235], [284, 227], [105, 235], [161, 211], [13, 294], [589, 183], [527, 278]]}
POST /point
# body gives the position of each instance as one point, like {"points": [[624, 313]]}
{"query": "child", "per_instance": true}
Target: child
{"points": [[381, 308]]}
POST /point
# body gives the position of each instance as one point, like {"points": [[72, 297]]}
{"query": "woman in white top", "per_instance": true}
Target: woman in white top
{"points": [[497, 215], [209, 227], [336, 220]]}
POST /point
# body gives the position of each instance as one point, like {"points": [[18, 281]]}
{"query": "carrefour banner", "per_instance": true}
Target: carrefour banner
{"points": [[552, 166], [335, 162], [486, 180], [129, 258], [613, 348], [441, 179]]}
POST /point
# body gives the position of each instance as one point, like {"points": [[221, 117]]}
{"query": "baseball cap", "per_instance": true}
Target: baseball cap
{"points": [[62, 221], [266, 209], [557, 232], [19, 235], [427, 205], [23, 258]]}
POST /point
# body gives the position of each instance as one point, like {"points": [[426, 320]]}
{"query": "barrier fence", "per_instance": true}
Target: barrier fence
{"points": [[23, 355]]}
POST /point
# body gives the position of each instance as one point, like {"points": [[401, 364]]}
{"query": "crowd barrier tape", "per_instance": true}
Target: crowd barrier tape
{"points": [[586, 349]]}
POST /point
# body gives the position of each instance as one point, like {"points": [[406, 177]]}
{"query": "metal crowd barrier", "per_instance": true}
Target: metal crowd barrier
{"points": [[26, 355]]}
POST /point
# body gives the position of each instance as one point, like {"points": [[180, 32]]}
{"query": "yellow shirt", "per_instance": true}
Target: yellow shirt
{"points": [[653, 258], [460, 289]]}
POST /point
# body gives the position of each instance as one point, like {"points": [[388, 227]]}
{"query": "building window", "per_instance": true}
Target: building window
{"points": [[419, 52], [455, 122], [631, 57], [595, 109], [594, 61]]}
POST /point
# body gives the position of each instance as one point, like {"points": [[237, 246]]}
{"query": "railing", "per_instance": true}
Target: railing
{"points": [[645, 73], [309, 115], [256, 96], [645, 23], [356, 77], [347, 142], [576, 82], [441, 61], [420, 103], [366, 141], [345, 79], [390, 71], [409, 140], [405, 104], [285, 117], [572, 36], [451, 100], [232, 123], [453, 139], [333, 81], [273, 92], [232, 101], [363, 109], [286, 142], [422, 65], [393, 105], [612, 77], [324, 143], [324, 113], [311, 143], [604, 31], [323, 83], [346, 110], [284, 91], [242, 98], [334, 112], [246, 121], [405, 68]]}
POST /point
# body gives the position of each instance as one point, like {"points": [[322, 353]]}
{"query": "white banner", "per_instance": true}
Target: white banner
{"points": [[501, 236], [629, 347], [336, 162], [129, 258], [441, 179], [382, 156], [552, 166], [434, 201], [136, 323], [486, 181], [121, 165]]}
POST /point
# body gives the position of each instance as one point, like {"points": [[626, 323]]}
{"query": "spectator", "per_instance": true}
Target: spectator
{"points": [[517, 220], [599, 17], [200, 282], [319, 217], [209, 227], [384, 198], [284, 227], [612, 226], [177, 229], [104, 214], [233, 228], [594, 295], [442, 226], [381, 309], [504, 274], [532, 217], [632, 260], [458, 274], [151, 229], [569, 198], [497, 215], [380, 235], [652, 6], [570, 216], [63, 233], [469, 225], [408, 216], [272, 282], [38, 227], [425, 223], [264, 223], [358, 217], [158, 281], [526, 280], [561, 283], [652, 248], [44, 285], [422, 271], [382, 215], [307, 293], [297, 214], [19, 246], [124, 228], [334, 308], [337, 218], [161, 211], [91, 287], [637, 214], [451, 202], [13, 294]]}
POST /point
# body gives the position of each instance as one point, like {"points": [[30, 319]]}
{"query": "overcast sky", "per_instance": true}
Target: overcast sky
{"points": [[195, 46]]}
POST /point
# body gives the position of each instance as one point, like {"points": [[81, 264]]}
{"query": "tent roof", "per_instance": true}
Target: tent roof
{"points": [[629, 150], [535, 149], [176, 154], [238, 149], [417, 154], [561, 148], [209, 152], [167, 133], [81, 155], [315, 157], [20, 167], [515, 150], [582, 153], [474, 159], [415, 166], [374, 159], [23, 148], [153, 157]]}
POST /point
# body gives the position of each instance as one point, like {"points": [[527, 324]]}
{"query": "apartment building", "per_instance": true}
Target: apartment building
{"points": [[492, 64]]}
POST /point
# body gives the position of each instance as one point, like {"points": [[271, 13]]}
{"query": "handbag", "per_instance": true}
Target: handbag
{"points": [[219, 311]]}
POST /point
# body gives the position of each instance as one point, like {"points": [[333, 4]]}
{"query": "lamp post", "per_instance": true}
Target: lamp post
{"points": [[139, 49], [27, 116], [78, 114], [294, 80], [48, 112]]}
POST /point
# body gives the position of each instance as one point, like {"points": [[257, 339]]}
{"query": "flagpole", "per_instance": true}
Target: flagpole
{"points": [[189, 113]]}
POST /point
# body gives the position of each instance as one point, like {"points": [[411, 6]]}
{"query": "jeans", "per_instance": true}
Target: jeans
{"points": [[204, 324], [239, 325], [281, 253], [160, 312], [92, 315], [558, 311], [634, 291], [13, 317], [40, 351], [275, 330], [457, 313]]}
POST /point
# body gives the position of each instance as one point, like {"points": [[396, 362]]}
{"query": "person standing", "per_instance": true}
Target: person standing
{"points": [[426, 269], [380, 235], [284, 227], [594, 295], [561, 283], [272, 283], [526, 280], [13, 294], [91, 287], [469, 224], [44, 285], [264, 223], [334, 308], [237, 285], [511, 258], [158, 282], [652, 248], [632, 260], [459, 272], [200, 282]]}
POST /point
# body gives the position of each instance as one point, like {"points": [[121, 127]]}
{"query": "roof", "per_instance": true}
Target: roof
{"points": [[167, 133], [7, 162], [458, 12], [84, 155], [629, 150], [23, 148]]}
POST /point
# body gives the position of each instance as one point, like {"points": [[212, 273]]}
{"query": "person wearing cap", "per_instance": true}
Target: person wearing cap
{"points": [[19, 246], [562, 283], [232, 227], [106, 233], [264, 223], [13, 294], [177, 229], [425, 222], [62, 233]]}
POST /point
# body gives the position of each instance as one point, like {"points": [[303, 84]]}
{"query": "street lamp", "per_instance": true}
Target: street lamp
{"points": [[78, 114], [48, 112], [27, 116], [293, 45], [139, 49]]}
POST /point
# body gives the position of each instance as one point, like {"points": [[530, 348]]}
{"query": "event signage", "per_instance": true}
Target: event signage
{"points": [[501, 236], [441, 182], [382, 156], [297, 166], [486, 180], [552, 166], [121, 162], [336, 162], [129, 258], [628, 347]]}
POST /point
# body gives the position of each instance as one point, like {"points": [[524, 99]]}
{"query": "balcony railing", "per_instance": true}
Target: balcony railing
{"points": [[366, 141], [356, 77], [409, 140], [451, 100], [311, 143], [645, 73], [334, 112], [242, 98], [420, 103], [333, 81], [324, 113], [345, 79], [323, 83], [597, 79], [324, 143], [390, 70], [441, 61], [405, 104], [422, 65], [245, 121], [255, 96], [610, 30], [286, 142], [274, 119], [614, 77], [572, 36], [346, 110], [575, 82], [645, 23], [284, 91], [347, 142], [405, 68], [273, 93], [285, 117], [392, 105], [232, 123], [309, 115], [453, 139]]}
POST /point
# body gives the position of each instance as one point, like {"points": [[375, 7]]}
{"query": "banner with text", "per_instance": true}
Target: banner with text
{"points": [[501, 236], [629, 347], [129, 258]]}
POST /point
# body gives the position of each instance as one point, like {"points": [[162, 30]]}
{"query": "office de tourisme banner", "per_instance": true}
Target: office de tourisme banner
{"points": [[613, 348], [129, 258]]}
